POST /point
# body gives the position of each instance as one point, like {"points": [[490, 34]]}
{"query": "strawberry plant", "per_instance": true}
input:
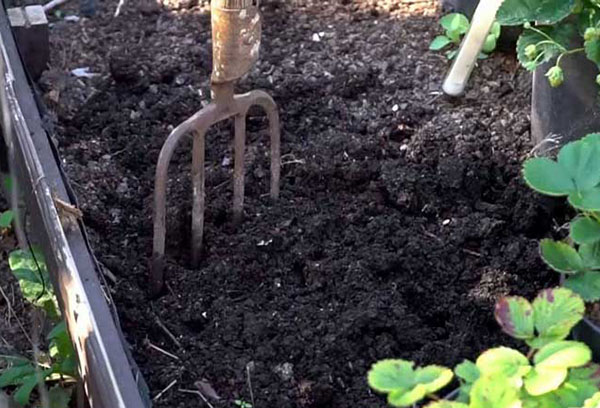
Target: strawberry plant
{"points": [[555, 373], [59, 364], [456, 25], [575, 174], [559, 25]]}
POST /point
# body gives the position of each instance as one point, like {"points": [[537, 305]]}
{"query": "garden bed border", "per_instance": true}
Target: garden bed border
{"points": [[110, 376]]}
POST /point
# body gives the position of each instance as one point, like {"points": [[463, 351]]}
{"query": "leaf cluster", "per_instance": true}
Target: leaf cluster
{"points": [[557, 373], [456, 25], [59, 364], [575, 174], [558, 24]]}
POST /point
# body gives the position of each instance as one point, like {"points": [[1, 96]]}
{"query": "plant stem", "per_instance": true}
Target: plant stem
{"points": [[546, 36], [530, 353], [569, 52]]}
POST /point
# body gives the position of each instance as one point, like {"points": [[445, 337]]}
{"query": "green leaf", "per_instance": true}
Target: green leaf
{"points": [[590, 254], [490, 43], [391, 375], [517, 12], [59, 397], [588, 200], [8, 183], [515, 317], [30, 270], [403, 398], [502, 361], [547, 177], [451, 54], [23, 393], [581, 160], [14, 375], [541, 381], [496, 392], [556, 311], [561, 257], [592, 50], [455, 23], [433, 377], [439, 43], [496, 29], [6, 218], [446, 404], [593, 402], [563, 354], [585, 284], [467, 371], [585, 230]]}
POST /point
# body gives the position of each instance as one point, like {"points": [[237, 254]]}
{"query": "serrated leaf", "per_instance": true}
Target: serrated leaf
{"points": [[541, 381], [6, 218], [581, 160], [467, 371], [494, 392], [585, 284], [517, 12], [406, 398], [547, 177], [556, 311], [391, 375], [563, 354], [585, 230], [561, 257], [588, 200], [433, 377], [439, 43], [515, 316], [502, 361]]}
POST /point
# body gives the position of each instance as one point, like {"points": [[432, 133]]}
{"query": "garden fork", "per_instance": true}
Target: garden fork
{"points": [[236, 31]]}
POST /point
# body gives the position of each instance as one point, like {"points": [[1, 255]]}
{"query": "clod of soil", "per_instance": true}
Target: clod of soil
{"points": [[402, 214]]}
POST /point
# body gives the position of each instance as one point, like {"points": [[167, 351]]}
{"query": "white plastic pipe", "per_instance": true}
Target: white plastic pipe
{"points": [[482, 22]]}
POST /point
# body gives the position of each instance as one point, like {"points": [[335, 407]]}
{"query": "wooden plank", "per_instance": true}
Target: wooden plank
{"points": [[104, 366]]}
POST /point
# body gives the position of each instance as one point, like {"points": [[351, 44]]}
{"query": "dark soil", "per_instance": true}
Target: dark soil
{"points": [[402, 214]]}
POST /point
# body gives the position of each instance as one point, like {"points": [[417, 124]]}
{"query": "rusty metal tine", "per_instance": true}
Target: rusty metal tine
{"points": [[265, 101], [198, 178], [160, 201], [238, 172]]}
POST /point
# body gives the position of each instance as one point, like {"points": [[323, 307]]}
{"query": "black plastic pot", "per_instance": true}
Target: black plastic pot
{"points": [[589, 333], [570, 111]]}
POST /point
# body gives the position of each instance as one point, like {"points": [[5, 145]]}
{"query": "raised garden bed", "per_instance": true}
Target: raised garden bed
{"points": [[109, 376], [402, 215]]}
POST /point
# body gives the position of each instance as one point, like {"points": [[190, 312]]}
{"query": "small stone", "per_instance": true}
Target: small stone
{"points": [[285, 371]]}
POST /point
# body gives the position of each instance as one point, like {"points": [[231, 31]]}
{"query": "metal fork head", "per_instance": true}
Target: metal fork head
{"points": [[236, 29]]}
